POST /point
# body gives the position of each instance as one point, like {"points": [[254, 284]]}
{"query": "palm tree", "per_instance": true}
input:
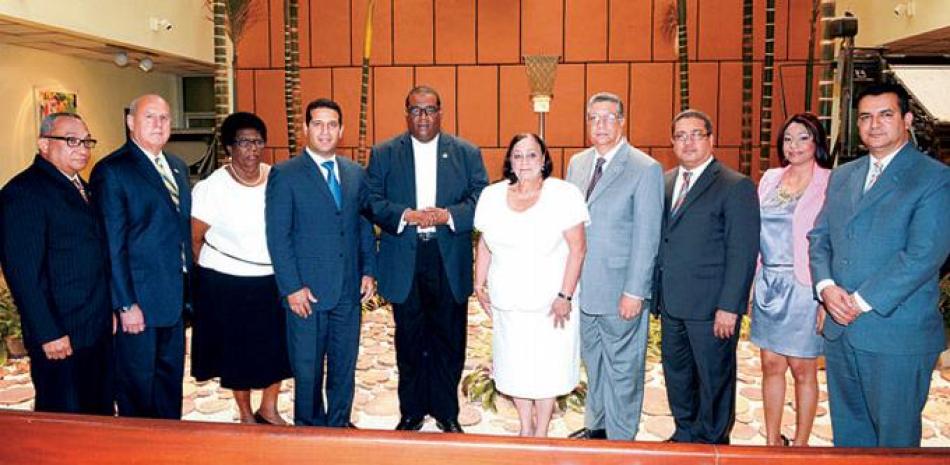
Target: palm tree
{"points": [[745, 153], [826, 84], [682, 45], [810, 63], [291, 73], [765, 130], [362, 152], [230, 18]]}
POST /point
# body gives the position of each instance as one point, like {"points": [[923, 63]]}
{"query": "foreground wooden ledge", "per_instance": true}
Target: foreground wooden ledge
{"points": [[38, 438]]}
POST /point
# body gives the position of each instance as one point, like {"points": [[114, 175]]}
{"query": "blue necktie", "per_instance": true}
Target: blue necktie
{"points": [[333, 184]]}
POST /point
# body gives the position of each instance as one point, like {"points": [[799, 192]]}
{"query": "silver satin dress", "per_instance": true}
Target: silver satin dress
{"points": [[783, 310]]}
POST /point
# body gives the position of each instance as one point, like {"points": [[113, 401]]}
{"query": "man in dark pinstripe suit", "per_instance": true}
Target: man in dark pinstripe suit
{"points": [[55, 259]]}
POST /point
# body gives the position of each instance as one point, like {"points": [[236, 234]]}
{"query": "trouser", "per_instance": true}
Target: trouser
{"points": [[149, 372], [80, 383]]}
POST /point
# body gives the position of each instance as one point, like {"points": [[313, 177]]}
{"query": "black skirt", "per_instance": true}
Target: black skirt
{"points": [[239, 332]]}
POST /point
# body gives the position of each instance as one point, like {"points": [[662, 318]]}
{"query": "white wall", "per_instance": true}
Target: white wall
{"points": [[878, 25], [103, 90]]}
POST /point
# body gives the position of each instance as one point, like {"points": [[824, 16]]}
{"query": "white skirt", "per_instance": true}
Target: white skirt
{"points": [[531, 358]]}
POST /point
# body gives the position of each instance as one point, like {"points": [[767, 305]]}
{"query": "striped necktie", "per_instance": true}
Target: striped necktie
{"points": [[684, 188], [167, 179], [876, 169], [82, 190]]}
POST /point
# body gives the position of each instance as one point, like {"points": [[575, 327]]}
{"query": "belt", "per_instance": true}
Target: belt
{"points": [[426, 236]]}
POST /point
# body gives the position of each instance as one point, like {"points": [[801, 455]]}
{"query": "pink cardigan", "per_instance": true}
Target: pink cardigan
{"points": [[805, 213]]}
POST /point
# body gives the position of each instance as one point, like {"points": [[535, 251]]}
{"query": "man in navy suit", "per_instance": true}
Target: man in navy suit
{"points": [[54, 255], [423, 190], [324, 261], [876, 252], [144, 199], [708, 248]]}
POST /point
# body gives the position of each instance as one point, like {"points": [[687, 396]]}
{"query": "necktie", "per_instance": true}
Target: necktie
{"points": [[82, 190], [598, 172], [333, 184], [682, 195], [876, 168], [167, 179]]}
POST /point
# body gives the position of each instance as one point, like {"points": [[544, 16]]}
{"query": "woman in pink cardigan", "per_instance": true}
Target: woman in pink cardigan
{"points": [[786, 319]]}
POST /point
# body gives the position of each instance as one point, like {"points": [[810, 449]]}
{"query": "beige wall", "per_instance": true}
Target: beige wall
{"points": [[125, 22], [878, 25], [103, 90]]}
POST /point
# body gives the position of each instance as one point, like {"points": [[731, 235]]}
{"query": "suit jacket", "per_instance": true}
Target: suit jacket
{"points": [[392, 187], [310, 241], [54, 256], [709, 247], [806, 211], [147, 235], [887, 245], [626, 209]]}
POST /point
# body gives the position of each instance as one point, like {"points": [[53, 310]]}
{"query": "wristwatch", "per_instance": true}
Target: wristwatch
{"points": [[125, 308], [564, 296]]}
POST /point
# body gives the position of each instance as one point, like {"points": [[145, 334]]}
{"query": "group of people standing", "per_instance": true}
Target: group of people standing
{"points": [[567, 270]]}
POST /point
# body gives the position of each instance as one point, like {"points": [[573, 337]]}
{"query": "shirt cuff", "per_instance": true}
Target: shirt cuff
{"points": [[633, 296], [862, 304], [450, 223], [402, 223], [821, 286]]}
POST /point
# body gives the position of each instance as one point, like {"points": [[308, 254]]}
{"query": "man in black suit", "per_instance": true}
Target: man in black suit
{"points": [[145, 202], [54, 255], [423, 190], [709, 244]]}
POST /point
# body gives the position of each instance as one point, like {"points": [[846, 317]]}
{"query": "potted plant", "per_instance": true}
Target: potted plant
{"points": [[11, 332]]}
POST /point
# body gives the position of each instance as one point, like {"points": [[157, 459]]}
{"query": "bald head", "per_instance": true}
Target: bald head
{"points": [[150, 122]]}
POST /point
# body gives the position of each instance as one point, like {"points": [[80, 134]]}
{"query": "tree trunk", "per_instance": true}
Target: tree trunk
{"points": [[827, 83], [765, 130], [810, 63], [682, 45], [745, 153], [362, 152], [291, 74], [222, 94]]}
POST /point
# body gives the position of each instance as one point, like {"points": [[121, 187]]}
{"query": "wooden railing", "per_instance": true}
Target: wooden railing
{"points": [[37, 438]]}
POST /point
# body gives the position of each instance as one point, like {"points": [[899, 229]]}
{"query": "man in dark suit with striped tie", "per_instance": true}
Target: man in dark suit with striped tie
{"points": [[144, 198], [54, 256]]}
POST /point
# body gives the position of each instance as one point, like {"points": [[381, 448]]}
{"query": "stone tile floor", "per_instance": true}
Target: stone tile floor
{"points": [[376, 404]]}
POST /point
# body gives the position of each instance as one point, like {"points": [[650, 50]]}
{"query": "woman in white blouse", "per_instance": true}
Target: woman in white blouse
{"points": [[529, 259], [239, 332]]}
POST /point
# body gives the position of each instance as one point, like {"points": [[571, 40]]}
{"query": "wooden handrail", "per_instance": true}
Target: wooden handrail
{"points": [[39, 438]]}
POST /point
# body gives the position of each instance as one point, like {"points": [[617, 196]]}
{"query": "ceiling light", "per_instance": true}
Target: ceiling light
{"points": [[120, 58], [146, 64]]}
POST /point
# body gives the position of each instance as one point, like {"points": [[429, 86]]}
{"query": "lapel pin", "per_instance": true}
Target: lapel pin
{"points": [[445, 155]]}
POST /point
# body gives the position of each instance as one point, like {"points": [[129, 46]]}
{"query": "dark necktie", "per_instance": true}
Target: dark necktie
{"points": [[82, 190], [333, 184], [684, 188], [598, 172]]}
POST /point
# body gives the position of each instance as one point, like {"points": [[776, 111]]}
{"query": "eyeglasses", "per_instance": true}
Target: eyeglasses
{"points": [[530, 156], [609, 118], [695, 136], [75, 141], [248, 143], [416, 112]]}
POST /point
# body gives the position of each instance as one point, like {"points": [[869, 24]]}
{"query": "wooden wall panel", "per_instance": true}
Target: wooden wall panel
{"points": [[381, 52], [514, 112], [389, 88], [565, 122], [651, 103], [244, 84], [318, 83], [276, 26], [252, 47], [478, 105], [412, 32], [494, 159], [703, 89], [499, 31], [455, 31], [330, 32], [664, 34], [585, 30], [630, 30], [269, 105], [542, 31], [346, 92], [720, 30], [608, 77]]}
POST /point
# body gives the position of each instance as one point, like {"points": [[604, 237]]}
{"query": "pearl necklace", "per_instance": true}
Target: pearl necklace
{"points": [[237, 177]]}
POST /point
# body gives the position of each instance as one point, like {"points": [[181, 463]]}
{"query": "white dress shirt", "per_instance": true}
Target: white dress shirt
{"points": [[607, 157], [694, 175], [425, 156], [320, 160]]}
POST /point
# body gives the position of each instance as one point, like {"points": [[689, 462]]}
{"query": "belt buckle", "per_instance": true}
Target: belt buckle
{"points": [[426, 236]]}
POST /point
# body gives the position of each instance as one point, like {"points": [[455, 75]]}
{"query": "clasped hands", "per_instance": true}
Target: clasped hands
{"points": [[842, 306], [301, 300], [432, 216]]}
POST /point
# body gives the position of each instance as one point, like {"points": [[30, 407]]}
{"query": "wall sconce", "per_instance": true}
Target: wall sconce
{"points": [[120, 58], [160, 24], [905, 9], [146, 64]]}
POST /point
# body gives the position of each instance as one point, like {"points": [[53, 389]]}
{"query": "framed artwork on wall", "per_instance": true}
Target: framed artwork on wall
{"points": [[49, 101]]}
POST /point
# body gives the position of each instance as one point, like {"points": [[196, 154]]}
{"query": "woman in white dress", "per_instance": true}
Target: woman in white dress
{"points": [[528, 262]]}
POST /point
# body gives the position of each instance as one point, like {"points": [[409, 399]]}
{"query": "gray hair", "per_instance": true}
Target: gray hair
{"points": [[691, 113], [134, 104], [606, 97], [46, 126]]}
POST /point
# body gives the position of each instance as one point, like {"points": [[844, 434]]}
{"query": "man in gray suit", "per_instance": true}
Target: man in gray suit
{"points": [[624, 191], [876, 252]]}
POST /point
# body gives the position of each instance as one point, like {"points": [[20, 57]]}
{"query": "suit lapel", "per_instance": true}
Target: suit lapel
{"points": [[61, 182], [585, 163], [315, 174], [614, 169], [443, 169], [887, 182], [702, 184], [407, 162]]}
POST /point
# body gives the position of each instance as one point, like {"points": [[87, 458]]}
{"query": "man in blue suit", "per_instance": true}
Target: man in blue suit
{"points": [[323, 253], [144, 199], [876, 252], [55, 259], [423, 190]]}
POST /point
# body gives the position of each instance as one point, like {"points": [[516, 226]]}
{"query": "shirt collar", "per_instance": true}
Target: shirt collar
{"points": [[610, 153], [151, 156], [888, 158], [432, 143], [319, 159], [696, 172]]}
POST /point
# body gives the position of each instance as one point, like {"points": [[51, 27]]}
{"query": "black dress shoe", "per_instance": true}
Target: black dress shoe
{"points": [[585, 433], [350, 425], [410, 423], [449, 426]]}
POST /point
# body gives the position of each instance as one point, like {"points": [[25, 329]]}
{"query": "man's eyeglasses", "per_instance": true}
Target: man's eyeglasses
{"points": [[694, 136], [416, 112], [248, 143], [608, 118], [75, 141]]}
